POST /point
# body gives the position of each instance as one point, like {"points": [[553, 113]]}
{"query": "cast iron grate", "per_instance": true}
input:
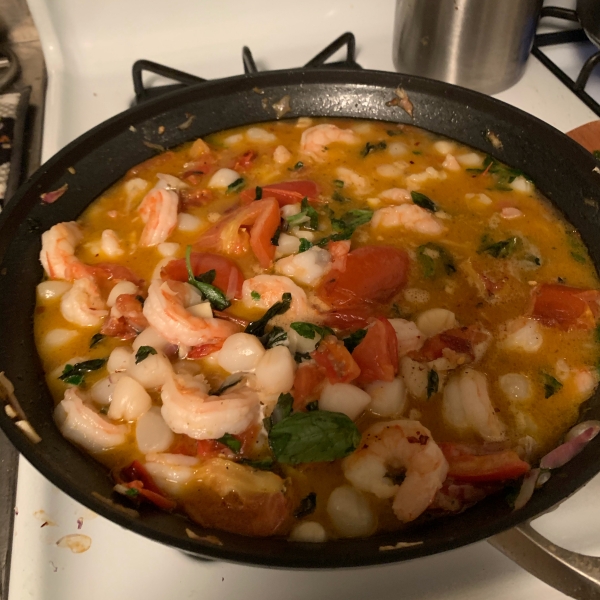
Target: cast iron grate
{"points": [[143, 93], [567, 37]]}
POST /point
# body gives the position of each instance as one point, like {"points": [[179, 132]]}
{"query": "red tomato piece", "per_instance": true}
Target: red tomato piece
{"points": [[349, 320], [204, 349], [184, 444], [136, 470], [373, 274], [566, 307], [308, 382], [469, 467], [109, 272], [195, 196], [460, 340], [244, 161], [229, 235], [339, 252], [286, 192], [377, 354], [229, 277], [338, 363], [156, 498], [131, 322]]}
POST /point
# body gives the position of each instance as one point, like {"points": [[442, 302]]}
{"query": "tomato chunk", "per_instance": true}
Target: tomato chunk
{"points": [[229, 235], [286, 192], [111, 272], [566, 307], [338, 363], [460, 340], [372, 274], [229, 277], [244, 161], [308, 383], [377, 354], [470, 467]]}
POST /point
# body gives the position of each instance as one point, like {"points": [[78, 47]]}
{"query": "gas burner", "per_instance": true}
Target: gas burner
{"points": [[578, 85], [143, 93]]}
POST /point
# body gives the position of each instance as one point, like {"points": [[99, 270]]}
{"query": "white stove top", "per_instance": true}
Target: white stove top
{"points": [[89, 49]]}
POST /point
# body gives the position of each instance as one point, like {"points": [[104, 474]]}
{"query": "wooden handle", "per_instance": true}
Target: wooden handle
{"points": [[587, 135]]}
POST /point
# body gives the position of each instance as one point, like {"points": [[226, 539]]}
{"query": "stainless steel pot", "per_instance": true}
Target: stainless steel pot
{"points": [[479, 44]]}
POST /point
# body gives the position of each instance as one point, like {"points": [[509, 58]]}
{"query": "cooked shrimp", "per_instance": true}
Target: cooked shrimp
{"points": [[187, 408], [84, 426], [409, 336], [159, 211], [398, 445], [165, 310], [58, 252], [523, 334], [408, 216], [467, 406], [353, 179], [314, 141], [82, 304], [271, 288]]}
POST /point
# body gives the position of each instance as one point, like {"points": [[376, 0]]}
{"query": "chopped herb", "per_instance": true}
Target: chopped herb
{"points": [[236, 186], [300, 356], [396, 311], [132, 492], [435, 260], [393, 133], [424, 202], [315, 436], [233, 443], [104, 410], [314, 405], [74, 374], [96, 339], [308, 330], [503, 174], [143, 353], [275, 238], [297, 166], [304, 245], [346, 225], [433, 382], [308, 217], [140, 299], [258, 193], [211, 293], [282, 410], [228, 383], [255, 295], [276, 337], [551, 385], [338, 183], [307, 506], [561, 279], [257, 328], [417, 152], [369, 147], [500, 249], [533, 259], [263, 464], [578, 257], [354, 339], [338, 197]]}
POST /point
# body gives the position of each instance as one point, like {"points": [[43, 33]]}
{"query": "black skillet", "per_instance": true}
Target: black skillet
{"points": [[564, 172]]}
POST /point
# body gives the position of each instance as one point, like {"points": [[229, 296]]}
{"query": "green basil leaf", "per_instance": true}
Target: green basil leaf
{"points": [[275, 238], [255, 295], [551, 385], [257, 328], [300, 356], [338, 183], [424, 201], [214, 295], [258, 193], [433, 382], [229, 382], [338, 197], [370, 147], [75, 374], [318, 436], [207, 277], [304, 245], [308, 217], [96, 339], [233, 443], [314, 405], [276, 337], [435, 260], [501, 249], [307, 506], [354, 339], [143, 353], [346, 225], [236, 186], [297, 166], [308, 330], [262, 464], [283, 408]]}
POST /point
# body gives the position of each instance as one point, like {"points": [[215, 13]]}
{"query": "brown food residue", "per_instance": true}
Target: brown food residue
{"points": [[75, 542]]}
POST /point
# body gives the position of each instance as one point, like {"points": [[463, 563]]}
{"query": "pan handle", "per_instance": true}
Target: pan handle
{"points": [[576, 575]]}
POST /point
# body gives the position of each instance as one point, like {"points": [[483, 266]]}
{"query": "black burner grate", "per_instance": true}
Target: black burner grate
{"points": [[143, 93], [567, 37]]}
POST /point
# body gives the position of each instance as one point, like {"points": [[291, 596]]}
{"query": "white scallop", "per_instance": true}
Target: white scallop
{"points": [[414, 375], [281, 155], [49, 291], [308, 531], [290, 209], [241, 352], [150, 337], [483, 199], [344, 398], [202, 310], [470, 160], [287, 244], [527, 338], [129, 400], [123, 287], [223, 178], [444, 147], [350, 512], [110, 244], [307, 267], [389, 171], [119, 359], [257, 134], [232, 140], [56, 338], [187, 222], [520, 184], [299, 343], [435, 320], [171, 471], [388, 398], [515, 386], [152, 434], [167, 249], [101, 392], [275, 371], [150, 372], [397, 149]]}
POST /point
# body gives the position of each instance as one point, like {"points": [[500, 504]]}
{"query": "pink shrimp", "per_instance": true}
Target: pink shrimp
{"points": [[315, 139], [159, 211], [58, 252]]}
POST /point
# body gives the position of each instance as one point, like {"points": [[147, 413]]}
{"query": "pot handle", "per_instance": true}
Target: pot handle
{"points": [[574, 574]]}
